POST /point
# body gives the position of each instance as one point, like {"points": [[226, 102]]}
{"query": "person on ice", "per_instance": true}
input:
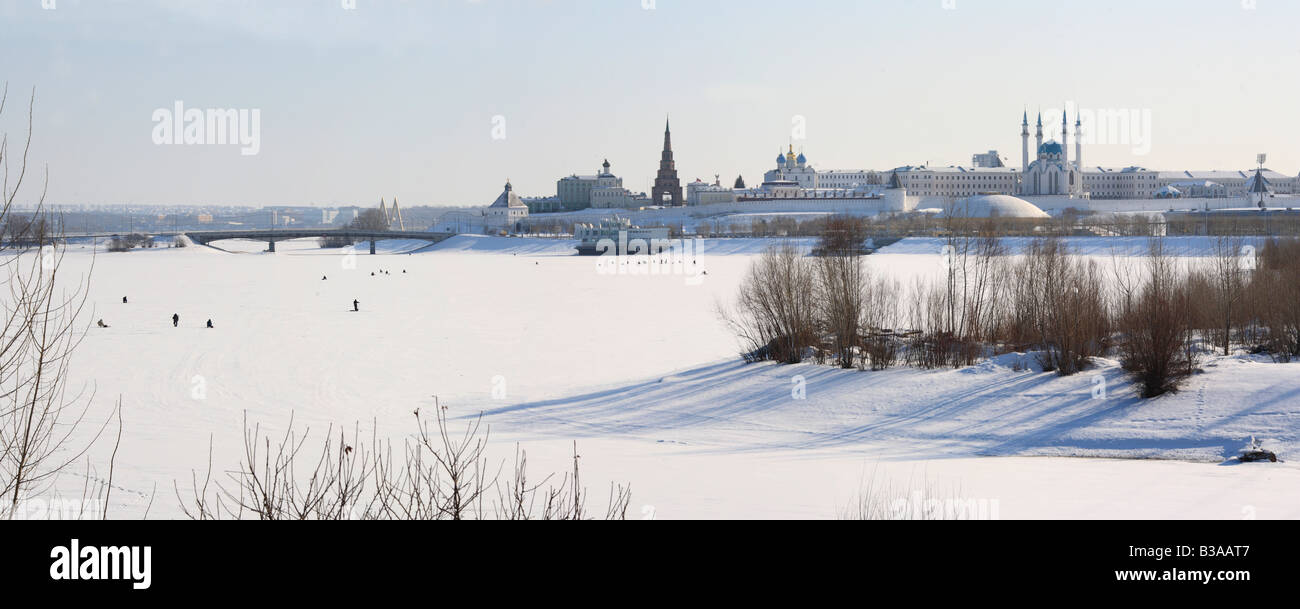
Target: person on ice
{"points": [[209, 323], [101, 324], [356, 305], [123, 300], [176, 320]]}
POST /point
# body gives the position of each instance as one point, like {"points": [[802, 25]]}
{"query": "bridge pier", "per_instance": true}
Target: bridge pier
{"points": [[372, 247]]}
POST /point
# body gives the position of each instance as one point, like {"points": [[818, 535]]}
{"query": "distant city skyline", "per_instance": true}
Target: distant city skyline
{"points": [[439, 103]]}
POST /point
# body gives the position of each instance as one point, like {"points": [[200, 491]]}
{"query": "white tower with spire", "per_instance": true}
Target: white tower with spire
{"points": [[1078, 142], [1024, 143], [1038, 140], [1065, 136]]}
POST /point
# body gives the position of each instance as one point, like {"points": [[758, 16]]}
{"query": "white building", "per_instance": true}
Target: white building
{"points": [[506, 213], [1232, 184], [958, 182], [796, 170], [575, 191], [1120, 182], [989, 159], [618, 198], [700, 192]]}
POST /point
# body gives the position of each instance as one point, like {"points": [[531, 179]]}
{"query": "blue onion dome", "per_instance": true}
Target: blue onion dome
{"points": [[780, 159], [802, 159]]}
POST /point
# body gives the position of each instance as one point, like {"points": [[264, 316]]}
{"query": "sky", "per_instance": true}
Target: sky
{"points": [[439, 102]]}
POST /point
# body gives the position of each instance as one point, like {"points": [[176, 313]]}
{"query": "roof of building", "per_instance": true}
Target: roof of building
{"points": [[1129, 169], [1218, 175], [1258, 183], [959, 169], [508, 198], [1196, 184], [1001, 206]]}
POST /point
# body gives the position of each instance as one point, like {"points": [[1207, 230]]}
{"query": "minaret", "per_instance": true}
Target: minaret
{"points": [[1078, 143], [1024, 144], [1065, 137], [1038, 144]]}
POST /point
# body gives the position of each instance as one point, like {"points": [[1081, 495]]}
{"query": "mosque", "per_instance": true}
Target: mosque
{"points": [[1052, 173]]}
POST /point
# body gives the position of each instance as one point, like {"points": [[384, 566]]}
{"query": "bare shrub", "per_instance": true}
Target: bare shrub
{"points": [[933, 350], [842, 235], [126, 243], [1274, 302], [881, 499], [840, 284], [882, 342], [1058, 304], [1155, 340], [1225, 276], [438, 475], [335, 242], [775, 315]]}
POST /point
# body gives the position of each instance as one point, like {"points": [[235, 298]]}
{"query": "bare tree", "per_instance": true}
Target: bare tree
{"points": [[776, 311], [840, 284], [1059, 305], [1155, 341], [1274, 304], [370, 219], [1227, 277], [40, 330]]}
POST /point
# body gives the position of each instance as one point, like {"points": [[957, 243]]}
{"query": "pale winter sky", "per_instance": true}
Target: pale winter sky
{"points": [[397, 98]]}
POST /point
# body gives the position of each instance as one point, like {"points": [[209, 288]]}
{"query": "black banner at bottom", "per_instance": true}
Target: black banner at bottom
{"points": [[172, 560]]}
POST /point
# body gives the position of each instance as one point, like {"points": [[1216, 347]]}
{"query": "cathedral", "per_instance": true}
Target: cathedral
{"points": [[791, 168], [1052, 173]]}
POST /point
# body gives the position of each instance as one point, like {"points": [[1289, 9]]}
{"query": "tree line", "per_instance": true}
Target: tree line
{"points": [[1156, 314]]}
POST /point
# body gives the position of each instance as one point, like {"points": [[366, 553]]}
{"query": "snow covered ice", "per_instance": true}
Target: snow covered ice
{"points": [[642, 374]]}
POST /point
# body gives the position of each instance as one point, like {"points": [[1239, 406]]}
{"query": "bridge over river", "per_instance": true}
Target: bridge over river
{"points": [[271, 236]]}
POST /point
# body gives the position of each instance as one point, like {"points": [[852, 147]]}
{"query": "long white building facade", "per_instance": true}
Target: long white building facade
{"points": [[1051, 173]]}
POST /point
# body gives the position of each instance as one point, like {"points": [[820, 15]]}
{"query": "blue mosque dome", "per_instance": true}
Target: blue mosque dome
{"points": [[1050, 148]]}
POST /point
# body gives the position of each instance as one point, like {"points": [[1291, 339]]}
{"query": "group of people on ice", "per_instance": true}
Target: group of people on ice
{"points": [[176, 319]]}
